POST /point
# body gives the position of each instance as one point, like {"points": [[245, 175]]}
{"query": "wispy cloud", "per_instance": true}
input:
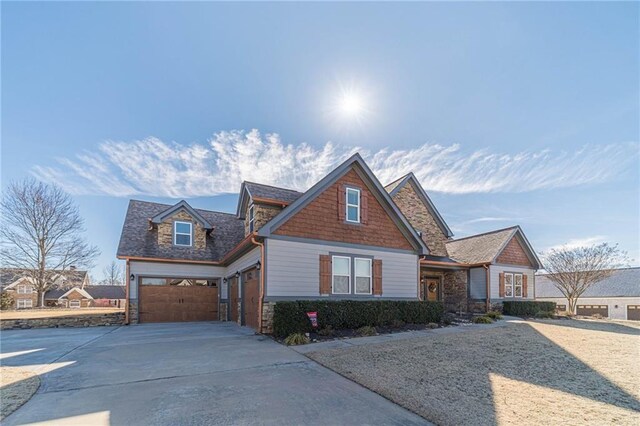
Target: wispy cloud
{"points": [[168, 169], [580, 242]]}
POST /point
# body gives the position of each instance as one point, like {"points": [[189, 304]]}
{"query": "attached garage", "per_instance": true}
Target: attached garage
{"points": [[633, 312], [178, 299], [591, 310]]}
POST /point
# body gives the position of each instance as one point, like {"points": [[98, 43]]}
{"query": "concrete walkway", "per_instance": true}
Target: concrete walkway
{"points": [[392, 337], [186, 374]]}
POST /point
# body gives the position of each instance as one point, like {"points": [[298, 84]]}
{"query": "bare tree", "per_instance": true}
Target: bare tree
{"points": [[574, 270], [113, 274], [41, 232]]}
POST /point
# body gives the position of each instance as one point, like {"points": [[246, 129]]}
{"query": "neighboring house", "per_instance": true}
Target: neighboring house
{"points": [[19, 286], [89, 296], [616, 297], [347, 237]]}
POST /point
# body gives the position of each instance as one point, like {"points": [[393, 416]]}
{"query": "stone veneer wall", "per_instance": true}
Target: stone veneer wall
{"points": [[421, 219], [263, 213], [92, 320], [267, 317], [454, 290], [133, 311], [165, 230]]}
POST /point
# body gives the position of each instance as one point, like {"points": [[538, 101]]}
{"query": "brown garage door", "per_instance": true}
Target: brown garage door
{"points": [[251, 295], [178, 300], [590, 310], [633, 312]]}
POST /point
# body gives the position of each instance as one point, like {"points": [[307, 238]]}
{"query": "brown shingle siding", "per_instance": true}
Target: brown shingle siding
{"points": [[320, 220], [514, 254]]}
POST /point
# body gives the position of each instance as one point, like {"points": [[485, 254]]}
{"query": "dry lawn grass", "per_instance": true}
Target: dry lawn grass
{"points": [[52, 313], [17, 387], [535, 372]]}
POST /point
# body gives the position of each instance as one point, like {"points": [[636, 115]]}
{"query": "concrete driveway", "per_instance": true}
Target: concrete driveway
{"points": [[187, 374]]}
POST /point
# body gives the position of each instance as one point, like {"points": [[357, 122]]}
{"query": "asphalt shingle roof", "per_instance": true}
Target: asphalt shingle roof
{"points": [[623, 283], [137, 240], [10, 275], [482, 248], [259, 190]]}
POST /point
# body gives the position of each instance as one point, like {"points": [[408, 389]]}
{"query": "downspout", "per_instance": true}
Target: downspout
{"points": [[262, 266], [126, 305], [488, 287]]}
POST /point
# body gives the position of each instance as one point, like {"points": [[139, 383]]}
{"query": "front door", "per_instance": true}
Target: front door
{"points": [[433, 287]]}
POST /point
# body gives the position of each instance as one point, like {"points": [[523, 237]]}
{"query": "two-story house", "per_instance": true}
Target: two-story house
{"points": [[346, 237]]}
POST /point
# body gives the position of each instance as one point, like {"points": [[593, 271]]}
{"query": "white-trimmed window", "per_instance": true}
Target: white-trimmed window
{"points": [[512, 284], [24, 303], [251, 218], [353, 205], [25, 289], [517, 285], [74, 303], [508, 285], [363, 275], [182, 233], [341, 275]]}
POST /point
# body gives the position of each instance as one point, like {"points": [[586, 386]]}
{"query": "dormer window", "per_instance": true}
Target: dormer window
{"points": [[251, 218], [182, 232], [353, 205]]}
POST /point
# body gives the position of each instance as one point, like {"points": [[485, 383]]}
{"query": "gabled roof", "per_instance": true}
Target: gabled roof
{"points": [[485, 248], [623, 283], [160, 217], [394, 187], [258, 191], [79, 290], [355, 161], [137, 240], [10, 277]]}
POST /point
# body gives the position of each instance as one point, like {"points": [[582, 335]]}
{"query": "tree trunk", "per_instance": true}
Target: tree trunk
{"points": [[572, 305]]}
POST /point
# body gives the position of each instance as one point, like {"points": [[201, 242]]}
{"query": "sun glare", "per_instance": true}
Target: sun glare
{"points": [[351, 104]]}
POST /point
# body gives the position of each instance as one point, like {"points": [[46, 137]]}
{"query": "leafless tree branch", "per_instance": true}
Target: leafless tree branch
{"points": [[41, 231]]}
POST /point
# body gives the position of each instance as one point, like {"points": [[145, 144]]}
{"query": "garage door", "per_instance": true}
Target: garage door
{"points": [[633, 312], [250, 298], [590, 310], [178, 300]]}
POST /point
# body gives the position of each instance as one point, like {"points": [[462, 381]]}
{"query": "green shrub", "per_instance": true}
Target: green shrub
{"points": [[396, 323], [544, 314], [448, 318], [367, 330], [482, 320], [291, 317], [494, 315], [296, 339], [326, 331], [528, 308]]}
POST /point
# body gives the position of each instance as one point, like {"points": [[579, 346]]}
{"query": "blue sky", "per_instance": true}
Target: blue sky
{"points": [[508, 113]]}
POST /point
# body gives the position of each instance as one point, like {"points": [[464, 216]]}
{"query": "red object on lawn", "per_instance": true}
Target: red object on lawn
{"points": [[313, 317]]}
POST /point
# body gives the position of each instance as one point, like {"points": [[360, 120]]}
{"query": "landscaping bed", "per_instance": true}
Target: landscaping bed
{"points": [[18, 386]]}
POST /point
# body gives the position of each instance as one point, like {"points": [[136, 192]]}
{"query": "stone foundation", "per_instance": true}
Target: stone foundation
{"points": [[133, 311], [477, 306], [222, 315], [454, 291], [91, 320], [267, 317]]}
